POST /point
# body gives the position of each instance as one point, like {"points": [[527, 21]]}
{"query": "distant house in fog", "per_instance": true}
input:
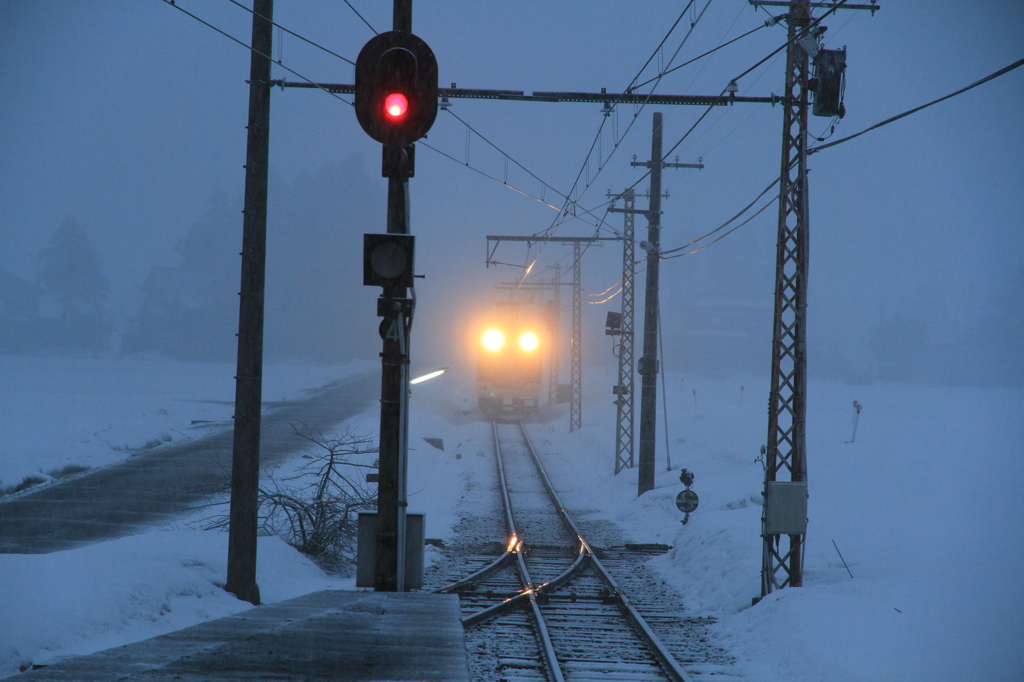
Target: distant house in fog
{"points": [[185, 314], [21, 320]]}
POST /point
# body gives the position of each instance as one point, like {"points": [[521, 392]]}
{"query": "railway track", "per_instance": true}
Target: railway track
{"points": [[547, 607]]}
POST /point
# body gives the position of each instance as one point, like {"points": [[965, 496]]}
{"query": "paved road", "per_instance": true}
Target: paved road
{"points": [[149, 488]]}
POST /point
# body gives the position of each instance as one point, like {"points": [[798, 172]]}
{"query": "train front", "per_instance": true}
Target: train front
{"points": [[509, 370]]}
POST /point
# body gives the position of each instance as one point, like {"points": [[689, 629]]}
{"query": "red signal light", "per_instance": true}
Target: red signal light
{"points": [[396, 105]]}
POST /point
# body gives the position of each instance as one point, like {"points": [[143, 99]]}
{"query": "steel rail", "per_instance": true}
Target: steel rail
{"points": [[529, 597], [473, 578], [632, 615], [510, 527], [547, 647]]}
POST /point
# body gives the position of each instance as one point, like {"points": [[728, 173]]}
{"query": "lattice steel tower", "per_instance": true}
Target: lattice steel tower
{"points": [[576, 368], [785, 449], [624, 390]]}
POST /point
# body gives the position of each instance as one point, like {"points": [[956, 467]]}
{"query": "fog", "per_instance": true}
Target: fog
{"points": [[126, 120]]}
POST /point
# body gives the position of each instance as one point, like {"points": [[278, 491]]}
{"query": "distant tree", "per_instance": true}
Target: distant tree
{"points": [[999, 334], [190, 311], [70, 271], [316, 306]]}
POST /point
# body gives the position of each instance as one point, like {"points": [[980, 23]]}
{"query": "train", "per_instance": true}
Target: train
{"points": [[510, 360]]}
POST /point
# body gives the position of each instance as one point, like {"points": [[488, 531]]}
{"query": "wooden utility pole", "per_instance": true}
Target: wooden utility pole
{"points": [[649, 359], [245, 459], [648, 369]]}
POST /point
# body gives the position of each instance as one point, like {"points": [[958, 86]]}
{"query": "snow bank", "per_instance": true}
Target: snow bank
{"points": [[924, 506], [133, 588]]}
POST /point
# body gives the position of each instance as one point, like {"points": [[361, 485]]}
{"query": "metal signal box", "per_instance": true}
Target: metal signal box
{"points": [[786, 508], [366, 552], [830, 74]]}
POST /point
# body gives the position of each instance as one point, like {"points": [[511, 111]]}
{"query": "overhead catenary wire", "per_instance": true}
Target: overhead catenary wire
{"points": [[507, 156], [375, 32], [250, 48], [771, 55], [636, 115], [564, 210], [488, 176], [573, 191], [812, 23], [291, 33], [699, 57], [556, 223]]}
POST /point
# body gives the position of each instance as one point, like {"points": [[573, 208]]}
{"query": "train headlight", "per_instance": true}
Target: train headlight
{"points": [[493, 340], [529, 341]]}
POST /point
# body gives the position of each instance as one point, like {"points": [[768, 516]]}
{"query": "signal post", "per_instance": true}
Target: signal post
{"points": [[396, 104]]}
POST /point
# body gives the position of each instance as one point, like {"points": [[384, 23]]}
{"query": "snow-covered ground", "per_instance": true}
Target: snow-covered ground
{"points": [[58, 412], [924, 506]]}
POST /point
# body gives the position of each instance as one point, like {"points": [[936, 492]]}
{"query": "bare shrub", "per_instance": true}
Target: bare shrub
{"points": [[315, 509]]}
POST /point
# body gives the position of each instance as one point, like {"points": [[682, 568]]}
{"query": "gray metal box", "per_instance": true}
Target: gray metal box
{"points": [[366, 552], [786, 508]]}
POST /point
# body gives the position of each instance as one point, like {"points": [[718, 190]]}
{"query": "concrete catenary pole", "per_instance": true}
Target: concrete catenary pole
{"points": [[649, 359], [245, 460]]}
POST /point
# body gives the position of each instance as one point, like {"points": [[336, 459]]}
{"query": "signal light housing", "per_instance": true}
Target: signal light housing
{"points": [[396, 88], [388, 260]]}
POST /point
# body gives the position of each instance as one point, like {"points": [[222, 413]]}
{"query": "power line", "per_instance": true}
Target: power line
{"points": [[727, 222], [555, 224], [759, 212], [307, 40], [249, 47], [811, 25], [897, 117], [691, 129], [636, 113], [653, 54], [691, 61], [602, 163], [488, 176], [361, 17]]}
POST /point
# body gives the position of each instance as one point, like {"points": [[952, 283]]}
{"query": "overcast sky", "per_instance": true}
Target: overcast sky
{"points": [[129, 115]]}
